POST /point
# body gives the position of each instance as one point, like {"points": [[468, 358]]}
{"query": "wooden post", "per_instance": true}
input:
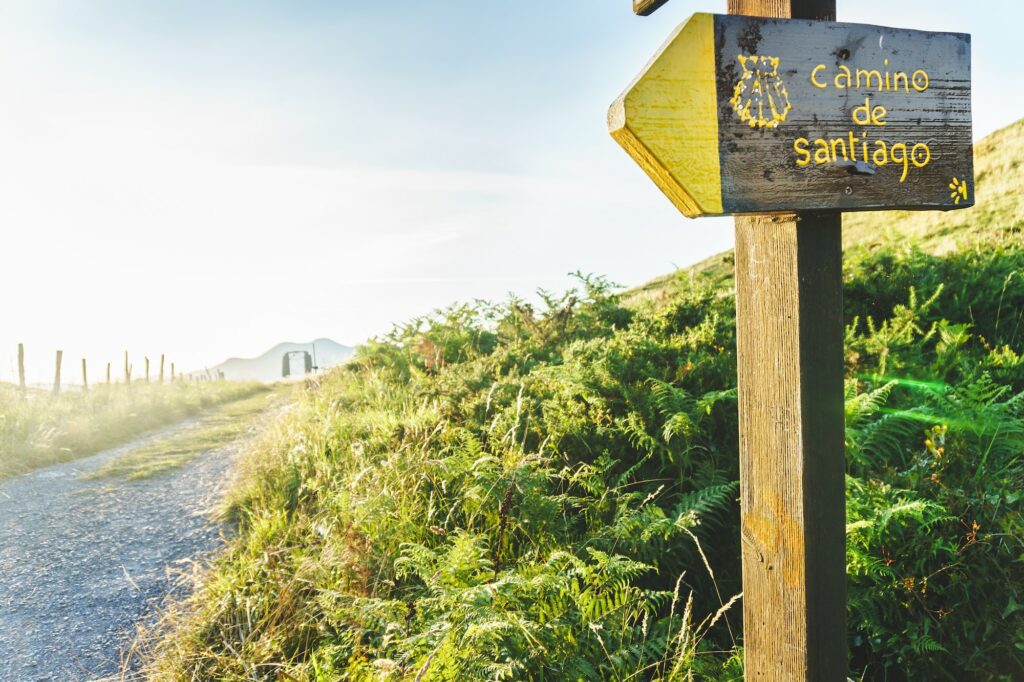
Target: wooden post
{"points": [[108, 374], [161, 368], [147, 368], [127, 370], [172, 372], [85, 378], [717, 140], [56, 376], [789, 311], [21, 367]]}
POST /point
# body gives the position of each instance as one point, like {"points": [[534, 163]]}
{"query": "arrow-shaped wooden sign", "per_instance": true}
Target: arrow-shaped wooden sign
{"points": [[740, 114]]}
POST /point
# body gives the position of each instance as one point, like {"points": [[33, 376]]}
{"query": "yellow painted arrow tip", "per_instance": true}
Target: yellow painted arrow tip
{"points": [[617, 115], [667, 119]]}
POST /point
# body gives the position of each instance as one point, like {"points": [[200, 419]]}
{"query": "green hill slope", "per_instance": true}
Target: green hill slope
{"points": [[999, 181], [998, 178], [502, 492]]}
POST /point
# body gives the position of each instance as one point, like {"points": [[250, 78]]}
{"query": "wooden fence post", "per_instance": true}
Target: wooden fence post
{"points": [[127, 370], [85, 378], [161, 368], [146, 358], [789, 311], [21, 367], [56, 376], [172, 372], [108, 374]]}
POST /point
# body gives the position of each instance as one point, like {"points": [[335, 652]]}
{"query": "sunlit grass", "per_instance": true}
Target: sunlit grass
{"points": [[213, 430], [39, 429], [504, 493]]}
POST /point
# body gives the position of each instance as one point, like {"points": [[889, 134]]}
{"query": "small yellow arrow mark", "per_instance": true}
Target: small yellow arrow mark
{"points": [[959, 192], [760, 96]]}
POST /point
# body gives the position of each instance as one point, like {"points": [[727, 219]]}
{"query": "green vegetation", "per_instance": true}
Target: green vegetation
{"points": [[497, 492], [501, 492], [998, 213], [214, 429], [38, 429]]}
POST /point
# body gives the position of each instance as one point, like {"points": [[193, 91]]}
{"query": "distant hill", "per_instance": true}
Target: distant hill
{"points": [[267, 367], [998, 175]]}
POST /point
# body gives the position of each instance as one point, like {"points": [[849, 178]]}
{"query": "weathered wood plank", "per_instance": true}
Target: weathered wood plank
{"points": [[808, 115], [790, 366], [896, 132]]}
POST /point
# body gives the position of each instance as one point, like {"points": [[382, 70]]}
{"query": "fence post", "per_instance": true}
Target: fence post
{"points": [[108, 374], [21, 367], [85, 378], [161, 368], [56, 376], [127, 370], [172, 372], [147, 368]]}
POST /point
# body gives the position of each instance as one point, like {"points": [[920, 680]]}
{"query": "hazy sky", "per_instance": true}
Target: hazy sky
{"points": [[207, 179]]}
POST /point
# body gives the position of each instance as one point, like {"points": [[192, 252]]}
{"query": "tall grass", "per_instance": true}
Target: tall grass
{"points": [[505, 492], [38, 428]]}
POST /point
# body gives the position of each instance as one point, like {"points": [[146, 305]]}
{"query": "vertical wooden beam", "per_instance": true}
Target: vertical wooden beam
{"points": [[820, 10], [56, 376], [789, 310], [108, 374], [127, 370], [161, 368], [146, 358], [21, 367], [85, 378], [172, 372]]}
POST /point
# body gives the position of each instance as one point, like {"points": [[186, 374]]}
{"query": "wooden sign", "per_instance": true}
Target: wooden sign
{"points": [[739, 114]]}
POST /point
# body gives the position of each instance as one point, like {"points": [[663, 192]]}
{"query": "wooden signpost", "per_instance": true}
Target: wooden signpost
{"points": [[747, 115], [779, 114]]}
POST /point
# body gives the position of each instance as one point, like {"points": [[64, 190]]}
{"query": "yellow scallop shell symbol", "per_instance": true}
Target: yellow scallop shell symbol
{"points": [[760, 97]]}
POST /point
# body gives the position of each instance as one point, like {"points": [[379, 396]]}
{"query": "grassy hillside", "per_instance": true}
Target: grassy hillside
{"points": [[38, 429], [500, 492], [998, 213]]}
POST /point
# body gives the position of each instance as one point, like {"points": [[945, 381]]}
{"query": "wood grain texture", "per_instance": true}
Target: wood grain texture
{"points": [[817, 156], [667, 119], [806, 115], [785, 9], [792, 494], [647, 7], [790, 366]]}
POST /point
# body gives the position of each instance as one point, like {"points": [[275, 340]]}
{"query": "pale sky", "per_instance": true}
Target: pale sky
{"points": [[206, 179]]}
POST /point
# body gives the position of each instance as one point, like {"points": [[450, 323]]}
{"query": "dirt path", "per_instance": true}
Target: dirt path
{"points": [[83, 560]]}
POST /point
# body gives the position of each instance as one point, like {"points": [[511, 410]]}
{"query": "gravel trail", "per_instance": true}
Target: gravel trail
{"points": [[82, 561]]}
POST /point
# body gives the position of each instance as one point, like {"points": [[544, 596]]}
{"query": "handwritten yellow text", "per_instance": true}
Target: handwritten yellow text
{"points": [[880, 80], [853, 148]]}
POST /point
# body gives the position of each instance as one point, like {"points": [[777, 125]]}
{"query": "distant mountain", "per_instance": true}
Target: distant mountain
{"points": [[268, 367]]}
